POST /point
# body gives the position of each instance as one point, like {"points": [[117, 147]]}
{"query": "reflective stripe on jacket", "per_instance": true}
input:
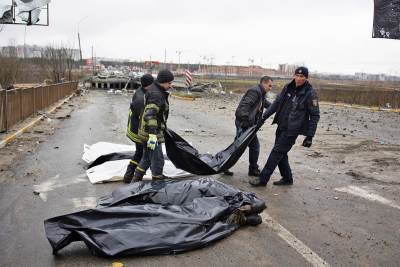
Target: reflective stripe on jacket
{"points": [[155, 114]]}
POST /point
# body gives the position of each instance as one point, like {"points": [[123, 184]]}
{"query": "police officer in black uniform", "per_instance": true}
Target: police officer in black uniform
{"points": [[135, 111], [297, 113]]}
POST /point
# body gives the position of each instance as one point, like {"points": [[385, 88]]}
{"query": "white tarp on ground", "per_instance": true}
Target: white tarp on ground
{"points": [[111, 171]]}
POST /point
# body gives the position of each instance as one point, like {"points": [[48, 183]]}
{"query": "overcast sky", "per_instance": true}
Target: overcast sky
{"points": [[326, 36]]}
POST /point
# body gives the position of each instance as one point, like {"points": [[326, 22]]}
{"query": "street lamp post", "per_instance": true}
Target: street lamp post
{"points": [[179, 52], [79, 40]]}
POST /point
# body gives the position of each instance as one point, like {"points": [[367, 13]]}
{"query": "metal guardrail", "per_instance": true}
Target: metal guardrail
{"points": [[18, 104]]}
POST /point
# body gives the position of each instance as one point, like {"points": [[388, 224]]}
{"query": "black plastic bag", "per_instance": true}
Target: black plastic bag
{"points": [[187, 158], [160, 217]]}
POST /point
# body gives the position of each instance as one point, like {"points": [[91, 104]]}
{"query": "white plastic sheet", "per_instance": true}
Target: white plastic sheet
{"points": [[111, 171]]}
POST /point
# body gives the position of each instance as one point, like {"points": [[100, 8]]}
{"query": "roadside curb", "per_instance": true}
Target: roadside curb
{"points": [[360, 107], [183, 97], [13, 136]]}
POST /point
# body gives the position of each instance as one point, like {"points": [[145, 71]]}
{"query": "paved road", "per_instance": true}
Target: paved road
{"points": [[342, 210]]}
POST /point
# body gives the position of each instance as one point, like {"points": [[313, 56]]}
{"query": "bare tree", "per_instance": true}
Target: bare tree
{"points": [[58, 62], [10, 64]]}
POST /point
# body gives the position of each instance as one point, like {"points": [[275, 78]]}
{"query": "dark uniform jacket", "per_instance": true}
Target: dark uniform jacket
{"points": [[155, 114], [304, 110], [135, 111], [251, 106]]}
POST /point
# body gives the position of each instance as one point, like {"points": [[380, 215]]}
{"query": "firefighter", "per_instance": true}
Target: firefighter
{"points": [[135, 111], [152, 125]]}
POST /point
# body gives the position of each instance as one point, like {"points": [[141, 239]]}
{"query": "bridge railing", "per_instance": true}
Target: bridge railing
{"points": [[19, 104]]}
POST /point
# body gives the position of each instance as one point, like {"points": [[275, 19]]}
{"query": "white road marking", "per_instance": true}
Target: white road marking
{"points": [[294, 242], [361, 192], [85, 202], [54, 183], [43, 196]]}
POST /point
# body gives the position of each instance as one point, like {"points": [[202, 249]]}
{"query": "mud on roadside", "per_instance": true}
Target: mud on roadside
{"points": [[28, 142]]}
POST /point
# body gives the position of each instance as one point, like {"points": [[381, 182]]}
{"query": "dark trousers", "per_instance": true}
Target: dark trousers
{"points": [[153, 159], [254, 147], [138, 154], [279, 157]]}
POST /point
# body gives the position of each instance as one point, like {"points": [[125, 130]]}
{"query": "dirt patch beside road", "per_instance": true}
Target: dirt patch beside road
{"points": [[360, 142]]}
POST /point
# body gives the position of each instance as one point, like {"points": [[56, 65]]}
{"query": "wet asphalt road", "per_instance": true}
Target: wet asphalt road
{"points": [[322, 210]]}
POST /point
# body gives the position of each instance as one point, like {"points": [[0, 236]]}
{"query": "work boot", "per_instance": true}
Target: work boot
{"points": [[160, 177], [130, 172], [254, 172], [284, 181], [137, 177], [253, 209], [253, 219], [257, 182], [228, 172]]}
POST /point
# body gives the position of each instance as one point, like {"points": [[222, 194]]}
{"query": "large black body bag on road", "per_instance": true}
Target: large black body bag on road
{"points": [[386, 19], [187, 158], [160, 217]]}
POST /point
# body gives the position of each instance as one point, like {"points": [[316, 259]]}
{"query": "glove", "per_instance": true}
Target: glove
{"points": [[307, 141], [152, 142]]}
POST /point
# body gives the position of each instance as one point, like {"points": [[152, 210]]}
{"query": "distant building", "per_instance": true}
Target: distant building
{"points": [[286, 69], [362, 76], [32, 51]]}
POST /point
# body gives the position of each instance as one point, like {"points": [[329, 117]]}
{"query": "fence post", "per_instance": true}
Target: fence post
{"points": [[20, 104], [6, 113], [34, 100], [335, 95], [3, 111]]}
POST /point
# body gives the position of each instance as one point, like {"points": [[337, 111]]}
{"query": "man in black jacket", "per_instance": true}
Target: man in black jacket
{"points": [[297, 113], [135, 111], [248, 113], [152, 126]]}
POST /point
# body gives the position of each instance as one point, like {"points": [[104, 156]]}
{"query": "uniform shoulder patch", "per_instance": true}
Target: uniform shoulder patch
{"points": [[315, 102]]}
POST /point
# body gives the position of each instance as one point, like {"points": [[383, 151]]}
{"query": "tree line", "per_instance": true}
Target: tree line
{"points": [[54, 65]]}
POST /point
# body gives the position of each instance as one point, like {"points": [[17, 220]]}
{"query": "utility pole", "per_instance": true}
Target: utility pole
{"points": [[251, 63], [211, 61], [233, 68], [179, 52], [80, 49], [92, 61], [165, 57]]}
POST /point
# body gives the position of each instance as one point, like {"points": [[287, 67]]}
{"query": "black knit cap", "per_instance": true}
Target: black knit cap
{"points": [[302, 70], [146, 80], [165, 76]]}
